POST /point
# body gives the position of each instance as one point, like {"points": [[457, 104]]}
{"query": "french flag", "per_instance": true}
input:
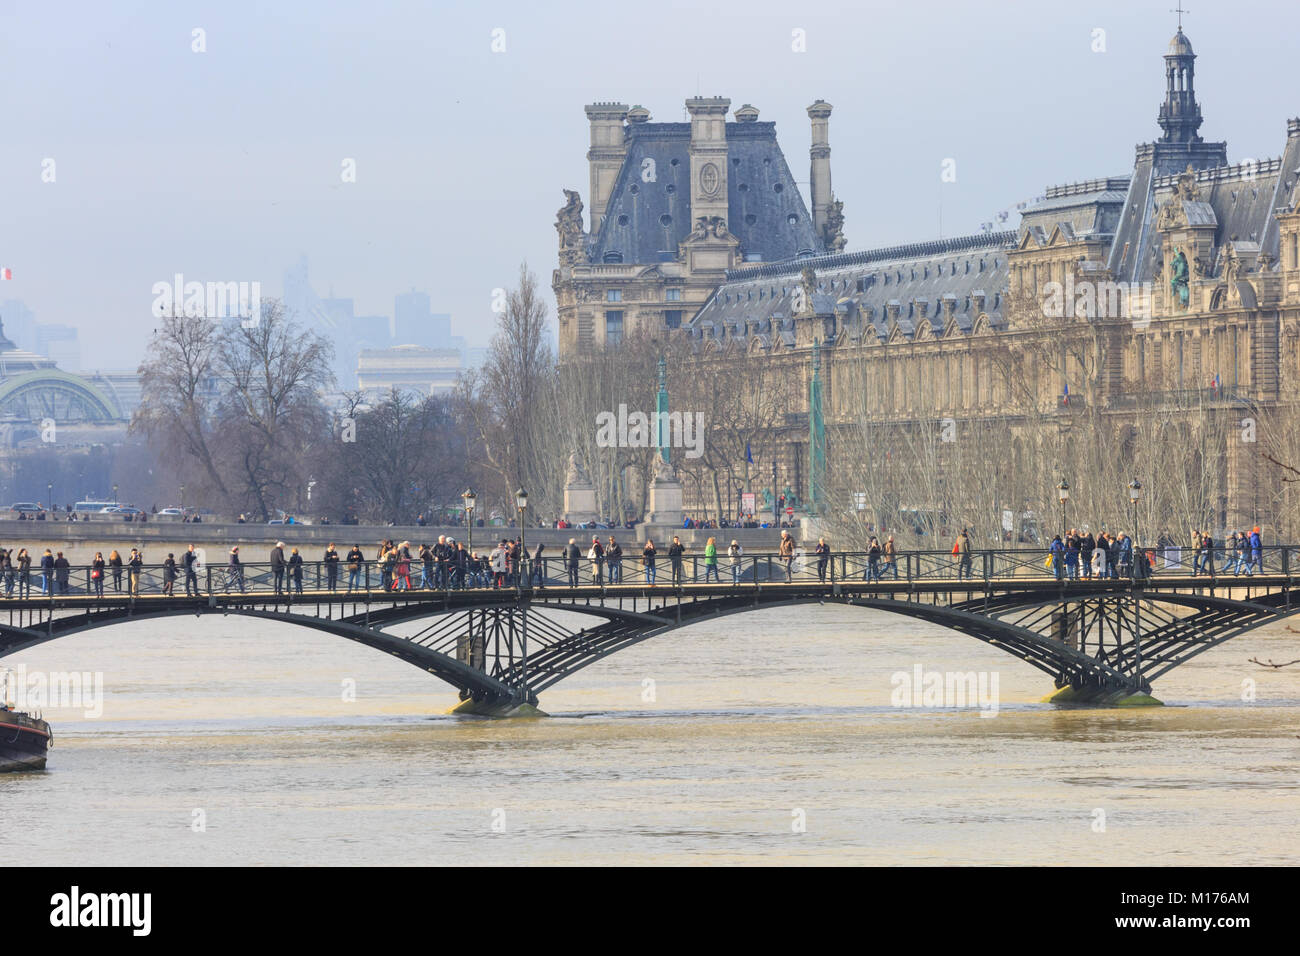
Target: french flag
{"points": [[6, 273], [1066, 395]]}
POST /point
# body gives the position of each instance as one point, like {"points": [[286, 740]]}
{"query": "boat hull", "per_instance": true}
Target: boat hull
{"points": [[24, 742]]}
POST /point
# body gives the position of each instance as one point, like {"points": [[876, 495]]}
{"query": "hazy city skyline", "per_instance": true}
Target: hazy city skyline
{"points": [[227, 164]]}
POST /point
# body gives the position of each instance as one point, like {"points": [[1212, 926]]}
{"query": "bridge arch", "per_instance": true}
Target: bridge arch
{"points": [[511, 647]]}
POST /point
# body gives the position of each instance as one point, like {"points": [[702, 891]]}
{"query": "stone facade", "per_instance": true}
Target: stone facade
{"points": [[674, 206], [1184, 276]]}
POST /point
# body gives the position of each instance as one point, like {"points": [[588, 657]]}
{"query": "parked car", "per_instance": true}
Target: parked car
{"points": [[125, 512], [23, 507]]}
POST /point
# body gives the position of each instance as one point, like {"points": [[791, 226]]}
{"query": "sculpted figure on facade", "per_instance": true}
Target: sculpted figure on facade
{"points": [[568, 223], [833, 231]]}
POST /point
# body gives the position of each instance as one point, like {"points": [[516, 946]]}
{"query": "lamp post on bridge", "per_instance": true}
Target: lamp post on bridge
{"points": [[521, 502], [1134, 493], [470, 499], [776, 506], [1063, 494]]}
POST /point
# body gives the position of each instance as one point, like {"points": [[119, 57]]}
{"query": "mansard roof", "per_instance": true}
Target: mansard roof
{"points": [[648, 215], [1091, 207], [862, 286]]}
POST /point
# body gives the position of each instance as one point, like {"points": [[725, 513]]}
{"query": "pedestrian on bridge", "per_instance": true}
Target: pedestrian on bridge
{"points": [[355, 559], [614, 557], [442, 558], [24, 573], [572, 555], [596, 555], [7, 568], [962, 550], [1243, 554], [190, 561], [1256, 551], [1072, 555], [460, 565], [234, 571], [733, 553], [648, 562], [277, 566], [62, 568], [115, 565], [169, 574], [891, 556], [47, 572], [133, 568], [97, 574], [1056, 556], [295, 570], [873, 560], [823, 555], [786, 553], [331, 559], [675, 553], [1125, 555], [538, 573], [711, 561]]}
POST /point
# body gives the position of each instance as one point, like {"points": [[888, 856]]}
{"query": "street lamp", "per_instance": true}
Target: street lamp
{"points": [[182, 501], [115, 494], [1134, 493], [521, 502], [1063, 495], [49, 498], [776, 507], [470, 499]]}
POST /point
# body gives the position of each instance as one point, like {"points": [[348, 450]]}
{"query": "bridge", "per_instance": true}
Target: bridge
{"points": [[1101, 639]]}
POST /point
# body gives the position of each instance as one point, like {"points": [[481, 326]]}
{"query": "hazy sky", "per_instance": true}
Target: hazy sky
{"points": [[225, 165]]}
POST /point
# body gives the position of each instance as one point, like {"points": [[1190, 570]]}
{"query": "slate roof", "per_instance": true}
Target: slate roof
{"points": [[860, 287], [1090, 208], [645, 221]]}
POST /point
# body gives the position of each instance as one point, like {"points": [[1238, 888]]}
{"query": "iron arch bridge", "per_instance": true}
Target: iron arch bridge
{"points": [[1101, 640]]}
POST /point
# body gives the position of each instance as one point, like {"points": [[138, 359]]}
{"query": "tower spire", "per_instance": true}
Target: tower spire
{"points": [[1180, 114]]}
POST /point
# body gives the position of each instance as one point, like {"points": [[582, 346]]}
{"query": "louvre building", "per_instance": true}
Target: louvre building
{"points": [[1169, 293]]}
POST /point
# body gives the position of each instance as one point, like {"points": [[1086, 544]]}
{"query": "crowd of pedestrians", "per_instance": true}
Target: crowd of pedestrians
{"points": [[448, 564]]}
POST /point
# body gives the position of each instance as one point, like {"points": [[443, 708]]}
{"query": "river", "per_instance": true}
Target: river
{"points": [[761, 738]]}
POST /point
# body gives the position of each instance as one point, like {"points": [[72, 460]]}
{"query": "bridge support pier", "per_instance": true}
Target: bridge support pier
{"points": [[497, 708], [1102, 697]]}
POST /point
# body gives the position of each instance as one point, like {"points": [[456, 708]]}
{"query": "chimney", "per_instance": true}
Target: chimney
{"points": [[605, 156], [708, 156], [820, 177]]}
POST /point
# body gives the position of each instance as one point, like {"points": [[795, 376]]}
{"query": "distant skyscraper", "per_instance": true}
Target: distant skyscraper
{"points": [[60, 343], [20, 323], [415, 324]]}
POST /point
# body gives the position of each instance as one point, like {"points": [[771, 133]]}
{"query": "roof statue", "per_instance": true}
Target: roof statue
{"points": [[833, 232], [568, 223]]}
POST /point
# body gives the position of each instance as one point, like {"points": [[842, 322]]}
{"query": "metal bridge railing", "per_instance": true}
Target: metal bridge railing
{"points": [[759, 568]]}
